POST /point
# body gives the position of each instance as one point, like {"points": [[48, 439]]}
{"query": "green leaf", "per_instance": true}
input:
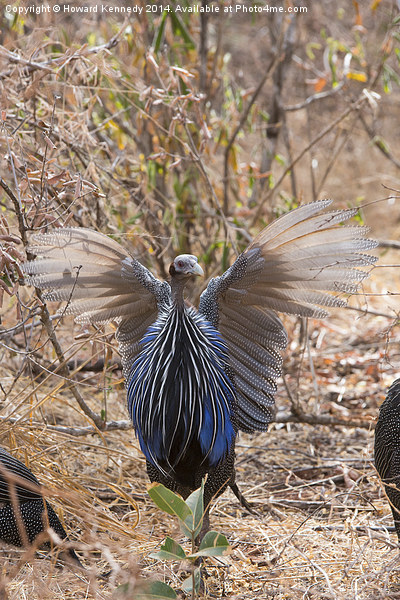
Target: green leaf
{"points": [[280, 159], [310, 47], [160, 33], [212, 544], [179, 28], [156, 590], [168, 501], [187, 584], [132, 220], [380, 142], [170, 550], [191, 526], [213, 539], [6, 280], [225, 257]]}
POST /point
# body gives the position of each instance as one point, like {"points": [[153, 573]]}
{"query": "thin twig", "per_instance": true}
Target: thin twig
{"points": [[48, 65], [46, 319], [378, 143], [73, 431], [389, 244], [274, 61], [334, 156], [301, 417], [353, 107], [314, 98]]}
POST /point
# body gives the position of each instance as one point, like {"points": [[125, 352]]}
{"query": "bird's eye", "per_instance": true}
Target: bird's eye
{"points": [[180, 263]]}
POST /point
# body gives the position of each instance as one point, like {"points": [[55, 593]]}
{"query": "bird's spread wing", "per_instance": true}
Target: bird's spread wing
{"points": [[99, 280], [13, 466], [301, 262]]}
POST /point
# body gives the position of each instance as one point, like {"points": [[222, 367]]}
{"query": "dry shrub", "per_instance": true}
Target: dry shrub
{"points": [[157, 130]]}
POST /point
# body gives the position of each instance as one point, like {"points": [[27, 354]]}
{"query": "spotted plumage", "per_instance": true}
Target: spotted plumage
{"points": [[194, 378], [23, 513], [387, 449]]}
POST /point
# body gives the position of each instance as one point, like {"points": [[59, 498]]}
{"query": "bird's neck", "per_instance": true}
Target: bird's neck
{"points": [[177, 287]]}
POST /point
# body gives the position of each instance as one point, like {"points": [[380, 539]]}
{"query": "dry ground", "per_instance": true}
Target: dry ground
{"points": [[322, 527]]}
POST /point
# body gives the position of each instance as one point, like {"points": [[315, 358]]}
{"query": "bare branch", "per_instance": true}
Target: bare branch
{"points": [[301, 417], [274, 61], [379, 143], [46, 319], [355, 106], [73, 431], [389, 244], [314, 98]]}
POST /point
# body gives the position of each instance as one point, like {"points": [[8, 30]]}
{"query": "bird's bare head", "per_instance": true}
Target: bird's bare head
{"points": [[184, 266]]}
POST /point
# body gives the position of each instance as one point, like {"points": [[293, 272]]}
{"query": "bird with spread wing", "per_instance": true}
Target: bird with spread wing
{"points": [[194, 378]]}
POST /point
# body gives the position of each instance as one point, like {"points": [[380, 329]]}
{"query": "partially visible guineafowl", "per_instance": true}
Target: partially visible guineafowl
{"points": [[35, 514], [387, 449], [196, 377]]}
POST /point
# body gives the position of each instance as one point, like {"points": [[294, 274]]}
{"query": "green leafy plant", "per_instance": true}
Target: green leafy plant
{"points": [[190, 514]]}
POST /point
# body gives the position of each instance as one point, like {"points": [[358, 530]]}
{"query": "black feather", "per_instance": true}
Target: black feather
{"points": [[25, 514], [387, 449]]}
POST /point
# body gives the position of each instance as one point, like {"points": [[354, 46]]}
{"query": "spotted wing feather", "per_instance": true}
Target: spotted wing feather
{"points": [[10, 466], [302, 262], [99, 280], [33, 512]]}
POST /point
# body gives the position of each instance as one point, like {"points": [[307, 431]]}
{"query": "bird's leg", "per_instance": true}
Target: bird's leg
{"points": [[241, 498]]}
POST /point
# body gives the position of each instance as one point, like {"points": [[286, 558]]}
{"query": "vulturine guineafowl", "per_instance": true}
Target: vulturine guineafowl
{"points": [[196, 377], [387, 449], [35, 514]]}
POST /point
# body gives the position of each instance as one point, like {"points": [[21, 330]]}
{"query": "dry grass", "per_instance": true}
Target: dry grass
{"points": [[320, 528]]}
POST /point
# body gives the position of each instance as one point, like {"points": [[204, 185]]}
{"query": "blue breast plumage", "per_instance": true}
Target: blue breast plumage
{"points": [[180, 398]]}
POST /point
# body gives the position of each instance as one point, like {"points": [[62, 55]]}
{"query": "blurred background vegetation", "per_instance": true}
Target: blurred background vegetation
{"points": [[183, 131]]}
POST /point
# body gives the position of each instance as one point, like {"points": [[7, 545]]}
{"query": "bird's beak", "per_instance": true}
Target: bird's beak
{"points": [[197, 270]]}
